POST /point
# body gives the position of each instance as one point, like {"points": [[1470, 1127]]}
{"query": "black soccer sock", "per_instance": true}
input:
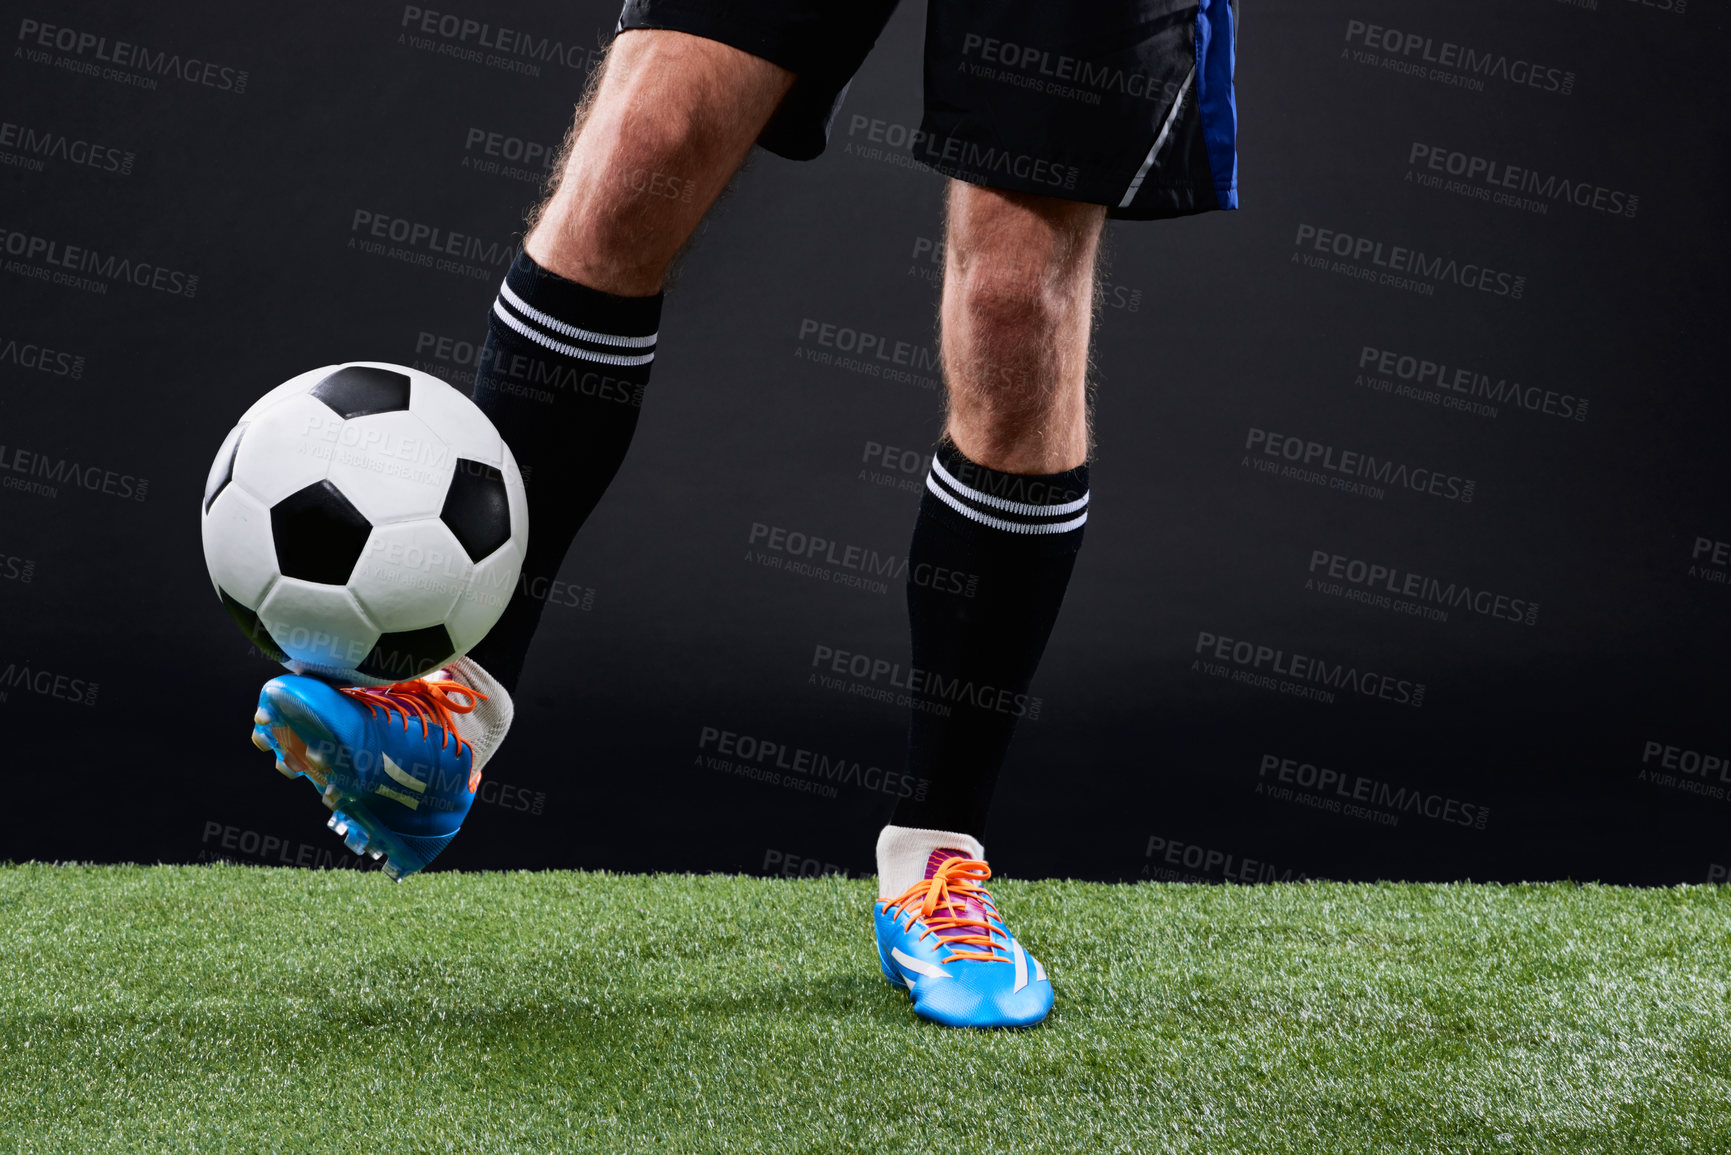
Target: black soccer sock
{"points": [[562, 376], [991, 556]]}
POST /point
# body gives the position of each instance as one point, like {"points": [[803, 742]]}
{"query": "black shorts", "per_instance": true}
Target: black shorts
{"points": [[1123, 103]]}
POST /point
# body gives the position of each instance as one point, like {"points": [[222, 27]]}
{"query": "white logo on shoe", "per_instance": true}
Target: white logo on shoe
{"points": [[401, 777], [919, 967]]}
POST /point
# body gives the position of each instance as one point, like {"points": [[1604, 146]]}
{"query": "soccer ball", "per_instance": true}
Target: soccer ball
{"points": [[364, 522]]}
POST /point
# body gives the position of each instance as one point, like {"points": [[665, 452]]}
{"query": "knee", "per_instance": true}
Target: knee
{"points": [[653, 151], [1019, 273], [1008, 303], [663, 127], [643, 169], [640, 168]]}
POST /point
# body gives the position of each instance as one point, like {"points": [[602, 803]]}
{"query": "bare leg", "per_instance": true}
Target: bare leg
{"points": [[668, 125], [570, 340], [1006, 506], [1017, 306]]}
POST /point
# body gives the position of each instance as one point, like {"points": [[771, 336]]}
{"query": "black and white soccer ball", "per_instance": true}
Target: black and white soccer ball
{"points": [[364, 522]]}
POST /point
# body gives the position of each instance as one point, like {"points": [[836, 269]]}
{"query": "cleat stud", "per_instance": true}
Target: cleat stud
{"points": [[377, 854], [331, 822], [342, 829], [259, 740], [283, 769], [331, 797], [262, 717]]}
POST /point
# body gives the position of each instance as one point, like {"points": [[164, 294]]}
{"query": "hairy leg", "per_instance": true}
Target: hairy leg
{"points": [[571, 338], [670, 120], [1017, 306], [1005, 504]]}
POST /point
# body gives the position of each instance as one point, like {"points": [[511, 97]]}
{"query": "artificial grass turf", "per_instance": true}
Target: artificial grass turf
{"points": [[226, 1008]]}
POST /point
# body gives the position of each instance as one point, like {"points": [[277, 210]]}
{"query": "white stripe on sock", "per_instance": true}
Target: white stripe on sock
{"points": [[560, 327], [973, 514], [541, 338], [1004, 504]]}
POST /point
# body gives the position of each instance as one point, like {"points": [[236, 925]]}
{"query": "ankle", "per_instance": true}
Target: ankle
{"points": [[903, 852]]}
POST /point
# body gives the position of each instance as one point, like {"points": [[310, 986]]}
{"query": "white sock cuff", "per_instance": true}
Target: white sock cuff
{"points": [[483, 728], [904, 850]]}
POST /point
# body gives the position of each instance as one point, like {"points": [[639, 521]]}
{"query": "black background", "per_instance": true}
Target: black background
{"points": [[1211, 327]]}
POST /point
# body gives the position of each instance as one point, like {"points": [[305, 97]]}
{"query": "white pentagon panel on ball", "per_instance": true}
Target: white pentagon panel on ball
{"points": [[285, 448], [238, 549], [299, 383], [391, 467], [491, 584], [410, 575], [457, 420], [320, 627]]}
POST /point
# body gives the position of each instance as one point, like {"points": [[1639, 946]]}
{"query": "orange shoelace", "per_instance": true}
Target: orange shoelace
{"points": [[433, 703], [956, 881]]}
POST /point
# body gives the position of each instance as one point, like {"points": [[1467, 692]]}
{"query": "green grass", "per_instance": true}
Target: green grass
{"points": [[239, 1009]]}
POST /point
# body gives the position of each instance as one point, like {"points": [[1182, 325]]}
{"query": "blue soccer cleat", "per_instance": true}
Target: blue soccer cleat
{"points": [[943, 941], [398, 765]]}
